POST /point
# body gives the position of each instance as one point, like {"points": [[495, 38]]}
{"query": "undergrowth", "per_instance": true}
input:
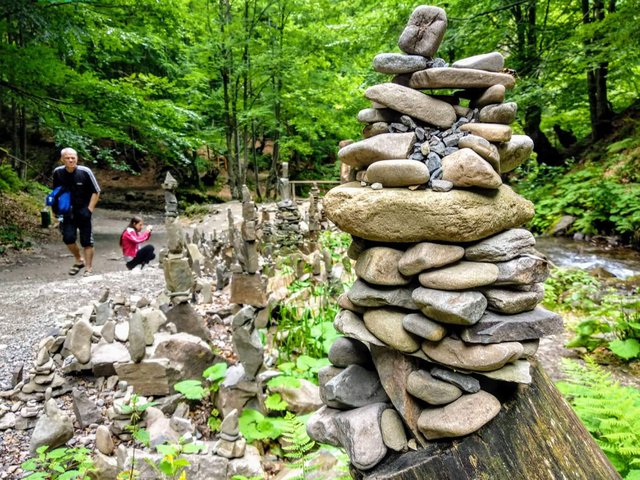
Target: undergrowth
{"points": [[610, 412]]}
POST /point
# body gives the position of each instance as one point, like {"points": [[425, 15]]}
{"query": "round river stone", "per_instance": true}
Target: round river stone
{"points": [[400, 215]]}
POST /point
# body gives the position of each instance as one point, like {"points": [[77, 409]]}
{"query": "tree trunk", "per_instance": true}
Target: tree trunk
{"points": [[536, 436], [600, 111], [527, 63]]}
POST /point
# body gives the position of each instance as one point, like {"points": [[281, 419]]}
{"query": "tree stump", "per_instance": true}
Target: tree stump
{"points": [[536, 436]]}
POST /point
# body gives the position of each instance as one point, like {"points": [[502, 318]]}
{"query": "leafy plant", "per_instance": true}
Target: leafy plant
{"points": [[255, 426], [297, 445], [610, 412], [59, 464], [609, 318], [173, 465], [197, 390], [9, 180]]}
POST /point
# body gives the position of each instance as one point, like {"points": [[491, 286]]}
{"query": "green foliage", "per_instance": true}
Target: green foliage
{"points": [[305, 330], [255, 426], [173, 464], [9, 180], [12, 237], [297, 445], [608, 318], [597, 194], [191, 389], [59, 464], [610, 412]]}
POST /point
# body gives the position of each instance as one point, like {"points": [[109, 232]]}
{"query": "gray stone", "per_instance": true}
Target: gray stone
{"points": [[455, 216], [108, 331], [346, 304], [441, 185], [137, 341], [491, 62], [395, 63], [248, 289], [85, 410], [427, 255], [79, 341], [105, 355], [386, 325], [122, 331], [457, 308], [462, 417], [424, 327], [351, 325], [522, 270], [159, 428], [516, 372], [482, 147], [510, 302], [149, 377], [381, 147], [7, 421], [481, 358], [347, 351], [375, 115], [373, 129], [514, 152], [105, 467], [459, 78], [249, 466], [364, 295], [413, 103], [464, 382], [321, 426], [493, 94], [493, 132], [424, 31], [186, 319], [501, 247], [460, 276], [360, 434], [393, 434], [394, 369], [302, 399], [188, 354], [398, 173], [53, 429], [379, 266], [493, 328], [104, 442], [503, 113], [246, 341], [422, 385], [355, 387]]}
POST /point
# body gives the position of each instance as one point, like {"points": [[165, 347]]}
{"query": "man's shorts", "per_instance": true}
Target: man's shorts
{"points": [[74, 222]]}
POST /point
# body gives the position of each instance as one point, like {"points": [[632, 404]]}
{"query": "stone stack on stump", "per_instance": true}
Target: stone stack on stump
{"points": [[443, 321]]}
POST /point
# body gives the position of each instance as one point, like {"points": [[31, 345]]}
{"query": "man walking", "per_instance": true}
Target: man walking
{"points": [[84, 189]]}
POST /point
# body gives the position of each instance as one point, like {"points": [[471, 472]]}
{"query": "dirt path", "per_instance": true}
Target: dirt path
{"points": [[36, 292]]}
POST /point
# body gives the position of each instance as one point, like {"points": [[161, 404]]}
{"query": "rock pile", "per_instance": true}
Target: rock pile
{"points": [[443, 317]]}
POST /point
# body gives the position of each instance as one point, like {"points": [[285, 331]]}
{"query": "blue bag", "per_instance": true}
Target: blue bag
{"points": [[59, 200]]}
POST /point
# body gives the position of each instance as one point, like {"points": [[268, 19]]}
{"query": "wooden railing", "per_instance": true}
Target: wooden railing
{"points": [[293, 184]]}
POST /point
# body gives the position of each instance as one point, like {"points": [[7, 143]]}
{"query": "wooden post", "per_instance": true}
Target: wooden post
{"points": [[536, 436]]}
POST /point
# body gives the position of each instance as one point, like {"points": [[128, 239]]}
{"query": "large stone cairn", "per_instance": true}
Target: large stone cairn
{"points": [[286, 232], [442, 320]]}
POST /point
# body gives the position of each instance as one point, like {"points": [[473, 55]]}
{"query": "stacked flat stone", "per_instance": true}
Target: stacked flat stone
{"points": [[443, 317], [287, 232]]}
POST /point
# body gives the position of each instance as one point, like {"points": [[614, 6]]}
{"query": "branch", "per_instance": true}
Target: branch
{"points": [[33, 95], [489, 12]]}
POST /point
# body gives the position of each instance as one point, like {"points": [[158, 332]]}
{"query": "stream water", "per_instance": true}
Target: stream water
{"points": [[564, 252]]}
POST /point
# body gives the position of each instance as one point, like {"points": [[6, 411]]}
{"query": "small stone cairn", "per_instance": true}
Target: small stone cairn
{"points": [[442, 320]]}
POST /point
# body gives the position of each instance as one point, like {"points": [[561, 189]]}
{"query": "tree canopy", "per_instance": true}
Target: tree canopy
{"points": [[128, 82]]}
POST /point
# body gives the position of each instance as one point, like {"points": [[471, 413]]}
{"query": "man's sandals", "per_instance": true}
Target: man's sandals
{"points": [[76, 268]]}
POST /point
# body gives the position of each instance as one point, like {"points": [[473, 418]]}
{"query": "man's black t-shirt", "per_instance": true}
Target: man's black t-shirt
{"points": [[81, 183]]}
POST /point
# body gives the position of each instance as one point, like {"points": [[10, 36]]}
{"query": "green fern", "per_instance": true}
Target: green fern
{"points": [[297, 445], [610, 412]]}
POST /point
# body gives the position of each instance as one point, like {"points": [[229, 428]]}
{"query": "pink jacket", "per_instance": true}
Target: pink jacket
{"points": [[131, 241]]}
